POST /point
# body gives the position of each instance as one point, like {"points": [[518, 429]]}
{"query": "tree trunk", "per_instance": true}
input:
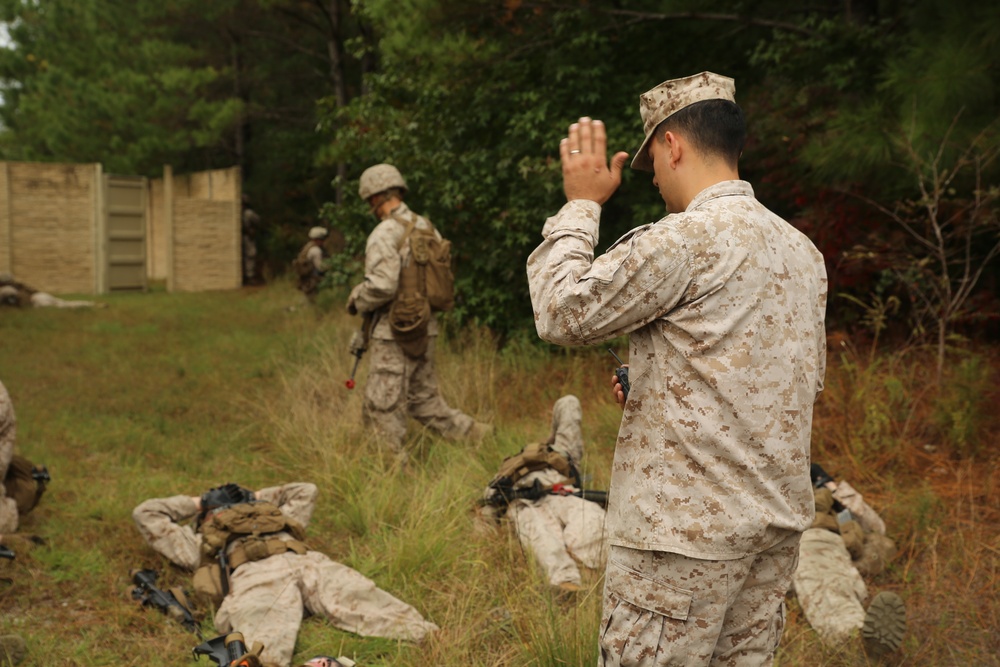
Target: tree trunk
{"points": [[335, 52]]}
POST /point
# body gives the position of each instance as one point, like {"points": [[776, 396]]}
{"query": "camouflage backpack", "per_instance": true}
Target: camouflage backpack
{"points": [[426, 285], [254, 525], [25, 483], [302, 265], [538, 456]]}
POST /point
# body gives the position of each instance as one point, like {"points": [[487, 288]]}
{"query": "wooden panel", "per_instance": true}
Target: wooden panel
{"points": [[52, 226], [156, 233], [206, 245], [125, 226], [5, 240]]}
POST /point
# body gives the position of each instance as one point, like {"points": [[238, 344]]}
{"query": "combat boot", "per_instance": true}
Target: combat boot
{"points": [[885, 624], [478, 431], [12, 650]]}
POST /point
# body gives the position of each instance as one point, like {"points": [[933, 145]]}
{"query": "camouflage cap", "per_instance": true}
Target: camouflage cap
{"points": [[318, 233], [658, 104], [379, 178]]}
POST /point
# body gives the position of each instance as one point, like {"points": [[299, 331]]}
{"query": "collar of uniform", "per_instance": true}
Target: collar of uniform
{"points": [[402, 208], [723, 189]]}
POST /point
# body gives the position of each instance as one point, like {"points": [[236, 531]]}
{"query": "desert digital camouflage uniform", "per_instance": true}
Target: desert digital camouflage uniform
{"points": [[314, 256], [8, 438], [833, 556], [268, 597], [249, 224], [398, 384], [710, 490], [560, 530], [14, 293]]}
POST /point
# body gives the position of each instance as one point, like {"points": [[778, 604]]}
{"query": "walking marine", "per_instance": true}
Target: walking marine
{"points": [[723, 302], [405, 280]]}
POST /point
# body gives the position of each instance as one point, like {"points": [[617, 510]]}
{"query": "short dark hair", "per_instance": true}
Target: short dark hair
{"points": [[716, 127], [378, 198]]}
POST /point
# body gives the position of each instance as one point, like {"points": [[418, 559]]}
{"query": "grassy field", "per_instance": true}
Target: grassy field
{"points": [[161, 394]]}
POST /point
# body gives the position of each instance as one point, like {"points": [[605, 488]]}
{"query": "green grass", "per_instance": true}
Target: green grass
{"points": [[161, 394]]}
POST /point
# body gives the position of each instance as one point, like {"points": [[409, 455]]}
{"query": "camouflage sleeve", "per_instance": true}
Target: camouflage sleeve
{"points": [[158, 522], [315, 255], [821, 339], [8, 433], [580, 300], [297, 500], [382, 264]]}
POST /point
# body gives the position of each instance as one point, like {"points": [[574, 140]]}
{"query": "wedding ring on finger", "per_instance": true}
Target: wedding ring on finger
{"points": [[575, 151]]}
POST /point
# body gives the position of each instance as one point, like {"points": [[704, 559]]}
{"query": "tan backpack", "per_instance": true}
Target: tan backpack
{"points": [[538, 456], [426, 285], [25, 483], [254, 525]]}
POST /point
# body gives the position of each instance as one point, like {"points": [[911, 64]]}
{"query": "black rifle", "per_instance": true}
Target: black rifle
{"points": [[228, 651], [505, 495], [6, 553], [151, 596], [367, 324]]}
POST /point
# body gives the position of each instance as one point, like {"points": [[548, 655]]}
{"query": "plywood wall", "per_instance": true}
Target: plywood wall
{"points": [[206, 245], [194, 240], [49, 225]]}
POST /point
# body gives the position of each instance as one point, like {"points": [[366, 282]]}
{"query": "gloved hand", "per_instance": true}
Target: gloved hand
{"points": [[227, 494], [358, 343], [352, 308]]}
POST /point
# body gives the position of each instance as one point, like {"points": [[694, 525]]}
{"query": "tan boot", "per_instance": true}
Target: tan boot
{"points": [[478, 431]]}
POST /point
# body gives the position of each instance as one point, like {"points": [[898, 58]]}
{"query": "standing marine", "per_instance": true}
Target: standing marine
{"points": [[310, 263], [400, 290], [724, 304]]}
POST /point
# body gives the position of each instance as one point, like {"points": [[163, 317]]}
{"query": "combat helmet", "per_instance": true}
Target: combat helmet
{"points": [[380, 178], [317, 233]]}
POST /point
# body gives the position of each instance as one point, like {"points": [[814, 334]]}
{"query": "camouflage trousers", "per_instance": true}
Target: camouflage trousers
{"points": [[46, 300], [269, 597], [560, 530], [665, 609], [399, 386], [829, 587], [8, 433]]}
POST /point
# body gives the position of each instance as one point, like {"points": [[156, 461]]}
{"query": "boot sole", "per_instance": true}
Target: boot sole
{"points": [[885, 624]]}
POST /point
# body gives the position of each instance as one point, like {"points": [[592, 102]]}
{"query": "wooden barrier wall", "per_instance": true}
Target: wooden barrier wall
{"points": [[54, 231], [50, 225], [194, 230]]}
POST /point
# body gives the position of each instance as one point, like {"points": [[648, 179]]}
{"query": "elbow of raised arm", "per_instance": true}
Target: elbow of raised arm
{"points": [[558, 329]]}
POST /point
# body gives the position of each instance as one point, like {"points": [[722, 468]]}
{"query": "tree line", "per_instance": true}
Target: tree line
{"points": [[873, 123]]}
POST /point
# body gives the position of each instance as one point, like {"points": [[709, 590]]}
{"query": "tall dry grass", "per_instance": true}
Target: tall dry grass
{"points": [[163, 394]]}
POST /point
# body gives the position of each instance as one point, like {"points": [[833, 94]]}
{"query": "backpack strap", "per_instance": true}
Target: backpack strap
{"points": [[408, 224]]}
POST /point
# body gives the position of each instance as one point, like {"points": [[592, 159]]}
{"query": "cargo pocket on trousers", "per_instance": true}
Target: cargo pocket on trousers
{"points": [[638, 609], [384, 386], [777, 627]]}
